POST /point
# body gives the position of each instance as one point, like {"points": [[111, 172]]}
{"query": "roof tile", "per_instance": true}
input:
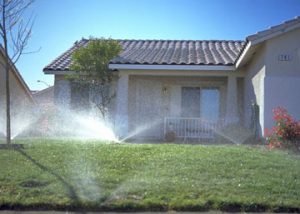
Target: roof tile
{"points": [[274, 29], [163, 52]]}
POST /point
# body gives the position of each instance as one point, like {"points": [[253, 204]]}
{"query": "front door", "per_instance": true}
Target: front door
{"points": [[149, 109]]}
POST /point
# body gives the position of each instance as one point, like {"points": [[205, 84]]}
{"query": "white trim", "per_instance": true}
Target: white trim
{"points": [[59, 72], [187, 73], [260, 39], [274, 34], [173, 67], [243, 55]]}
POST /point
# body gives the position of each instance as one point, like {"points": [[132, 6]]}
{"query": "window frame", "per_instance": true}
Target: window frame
{"points": [[201, 88]]}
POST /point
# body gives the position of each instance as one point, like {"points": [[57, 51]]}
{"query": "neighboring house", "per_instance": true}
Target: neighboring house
{"points": [[44, 98], [46, 110], [22, 102], [192, 86]]}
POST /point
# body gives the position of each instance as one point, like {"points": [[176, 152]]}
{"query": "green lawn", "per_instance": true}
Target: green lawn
{"points": [[73, 175]]}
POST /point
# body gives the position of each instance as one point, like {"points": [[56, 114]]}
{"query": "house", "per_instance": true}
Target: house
{"points": [[44, 98], [22, 102], [191, 87], [46, 108]]}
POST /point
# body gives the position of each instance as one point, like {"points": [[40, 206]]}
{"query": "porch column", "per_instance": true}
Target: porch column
{"points": [[122, 106], [231, 102]]}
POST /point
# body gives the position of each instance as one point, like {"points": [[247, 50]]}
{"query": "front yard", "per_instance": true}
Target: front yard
{"points": [[76, 175]]}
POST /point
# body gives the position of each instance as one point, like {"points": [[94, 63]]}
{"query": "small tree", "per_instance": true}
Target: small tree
{"points": [[91, 64], [14, 33]]}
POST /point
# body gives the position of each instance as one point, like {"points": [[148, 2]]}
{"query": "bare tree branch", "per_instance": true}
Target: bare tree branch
{"points": [[18, 8], [15, 34], [21, 40]]}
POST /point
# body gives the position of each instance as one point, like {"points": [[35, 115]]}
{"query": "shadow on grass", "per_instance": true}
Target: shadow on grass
{"points": [[76, 203], [126, 204]]}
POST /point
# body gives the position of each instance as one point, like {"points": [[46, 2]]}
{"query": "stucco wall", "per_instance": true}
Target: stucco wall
{"points": [[273, 78], [282, 82], [22, 105], [286, 44], [254, 87], [283, 92], [163, 99], [62, 92], [44, 97]]}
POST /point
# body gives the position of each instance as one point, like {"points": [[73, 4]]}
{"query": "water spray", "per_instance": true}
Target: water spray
{"points": [[140, 129]]}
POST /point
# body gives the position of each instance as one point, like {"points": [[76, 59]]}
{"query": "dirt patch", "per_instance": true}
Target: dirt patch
{"points": [[33, 183]]}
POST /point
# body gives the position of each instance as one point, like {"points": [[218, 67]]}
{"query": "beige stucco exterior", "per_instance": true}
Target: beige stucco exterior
{"points": [[267, 72], [146, 97], [152, 98], [22, 103], [272, 78], [254, 87], [282, 81], [156, 95]]}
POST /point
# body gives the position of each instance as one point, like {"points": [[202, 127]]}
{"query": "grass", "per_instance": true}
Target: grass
{"points": [[78, 175]]}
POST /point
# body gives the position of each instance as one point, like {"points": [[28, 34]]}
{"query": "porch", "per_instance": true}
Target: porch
{"points": [[191, 107], [190, 128]]}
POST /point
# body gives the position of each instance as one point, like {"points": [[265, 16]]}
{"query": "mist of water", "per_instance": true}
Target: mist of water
{"points": [[140, 129], [83, 177], [2, 129], [19, 123], [83, 125], [87, 126], [66, 123], [69, 124], [226, 136], [235, 133]]}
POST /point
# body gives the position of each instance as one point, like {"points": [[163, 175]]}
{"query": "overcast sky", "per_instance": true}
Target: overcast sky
{"points": [[59, 23]]}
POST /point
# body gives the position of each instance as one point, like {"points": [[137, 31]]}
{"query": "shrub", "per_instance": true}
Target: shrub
{"points": [[285, 133]]}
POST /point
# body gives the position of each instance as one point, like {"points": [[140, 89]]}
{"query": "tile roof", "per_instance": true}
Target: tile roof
{"points": [[163, 52], [274, 29]]}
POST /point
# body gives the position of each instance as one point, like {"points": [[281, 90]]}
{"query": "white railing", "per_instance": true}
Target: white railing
{"points": [[186, 128]]}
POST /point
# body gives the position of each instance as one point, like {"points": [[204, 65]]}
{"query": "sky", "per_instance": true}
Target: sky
{"points": [[60, 23]]}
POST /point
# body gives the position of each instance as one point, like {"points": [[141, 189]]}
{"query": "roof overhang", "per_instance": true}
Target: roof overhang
{"points": [[254, 41], [272, 33], [59, 72], [172, 67]]}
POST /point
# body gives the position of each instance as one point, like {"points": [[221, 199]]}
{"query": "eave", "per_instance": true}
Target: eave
{"points": [[172, 67]]}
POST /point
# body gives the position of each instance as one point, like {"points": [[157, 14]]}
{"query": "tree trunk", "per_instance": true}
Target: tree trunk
{"points": [[8, 131], [7, 89]]}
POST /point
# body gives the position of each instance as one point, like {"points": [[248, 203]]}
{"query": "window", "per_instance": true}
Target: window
{"points": [[79, 96], [200, 102], [190, 102], [210, 104]]}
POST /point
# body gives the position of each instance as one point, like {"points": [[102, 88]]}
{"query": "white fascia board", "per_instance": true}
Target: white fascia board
{"points": [[173, 67], [262, 39], [179, 73], [59, 72], [243, 55]]}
